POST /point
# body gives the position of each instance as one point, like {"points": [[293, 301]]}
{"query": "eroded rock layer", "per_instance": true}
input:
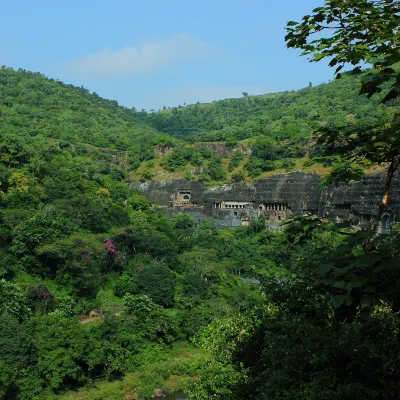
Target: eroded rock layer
{"points": [[275, 198]]}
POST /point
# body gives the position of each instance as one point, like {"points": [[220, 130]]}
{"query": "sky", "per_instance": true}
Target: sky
{"points": [[153, 53]]}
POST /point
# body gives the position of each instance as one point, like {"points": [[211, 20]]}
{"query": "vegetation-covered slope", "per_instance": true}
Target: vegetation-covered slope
{"points": [[75, 238], [32, 105], [260, 134], [291, 115], [45, 112]]}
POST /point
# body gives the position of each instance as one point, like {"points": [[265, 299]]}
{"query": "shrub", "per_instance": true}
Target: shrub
{"points": [[204, 178], [147, 175], [184, 221], [194, 285], [215, 170], [188, 176], [231, 142], [269, 166], [191, 321], [40, 299], [253, 167], [157, 282], [238, 177], [287, 164], [125, 284], [235, 160], [264, 148]]}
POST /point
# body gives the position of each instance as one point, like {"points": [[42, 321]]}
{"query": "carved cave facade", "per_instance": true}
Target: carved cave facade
{"points": [[276, 198]]}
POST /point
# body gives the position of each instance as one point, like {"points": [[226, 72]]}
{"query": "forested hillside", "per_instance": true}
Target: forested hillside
{"points": [[38, 112], [31, 105], [291, 115], [262, 134]]}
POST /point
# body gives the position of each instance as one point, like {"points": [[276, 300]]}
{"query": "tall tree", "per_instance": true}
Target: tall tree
{"points": [[360, 32]]}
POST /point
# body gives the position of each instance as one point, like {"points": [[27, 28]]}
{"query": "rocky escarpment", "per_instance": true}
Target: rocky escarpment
{"points": [[275, 198]]}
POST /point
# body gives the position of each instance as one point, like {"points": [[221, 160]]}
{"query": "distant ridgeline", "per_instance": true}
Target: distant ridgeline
{"points": [[293, 115], [276, 198], [256, 134]]}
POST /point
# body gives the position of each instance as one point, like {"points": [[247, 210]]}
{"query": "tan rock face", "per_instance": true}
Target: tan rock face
{"points": [[93, 314]]}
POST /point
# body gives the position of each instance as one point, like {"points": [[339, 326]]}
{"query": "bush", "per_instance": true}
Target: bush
{"points": [[309, 163], [147, 175], [188, 176], [235, 160], [146, 321], [157, 282], [191, 321], [254, 167], [40, 300], [269, 166], [13, 301], [204, 178], [215, 170], [140, 305], [264, 148], [238, 177], [184, 221], [125, 284], [194, 285], [231, 142], [288, 164]]}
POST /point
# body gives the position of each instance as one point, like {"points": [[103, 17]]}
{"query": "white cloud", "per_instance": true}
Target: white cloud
{"points": [[149, 56], [203, 94]]}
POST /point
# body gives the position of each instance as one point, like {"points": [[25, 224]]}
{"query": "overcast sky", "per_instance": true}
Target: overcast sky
{"points": [[152, 53]]}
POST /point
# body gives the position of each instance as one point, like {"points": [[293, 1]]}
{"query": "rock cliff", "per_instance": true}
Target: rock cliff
{"points": [[275, 198]]}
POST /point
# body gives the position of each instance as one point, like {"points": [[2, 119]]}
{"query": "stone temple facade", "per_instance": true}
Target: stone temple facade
{"points": [[275, 198]]}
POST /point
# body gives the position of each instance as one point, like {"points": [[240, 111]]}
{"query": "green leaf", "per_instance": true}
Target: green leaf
{"points": [[339, 300], [366, 301], [325, 268]]}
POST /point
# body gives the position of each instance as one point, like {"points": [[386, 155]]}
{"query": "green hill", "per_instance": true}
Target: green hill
{"points": [[258, 135], [95, 282], [288, 115], [33, 105]]}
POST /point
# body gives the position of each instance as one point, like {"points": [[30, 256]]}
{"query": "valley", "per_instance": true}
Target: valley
{"points": [[246, 248]]}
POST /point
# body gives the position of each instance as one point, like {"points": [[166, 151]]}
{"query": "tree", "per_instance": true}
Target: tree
{"points": [[215, 169], [363, 32], [157, 282], [194, 285], [245, 94], [203, 262], [147, 320], [44, 227], [183, 221], [238, 177], [13, 301]]}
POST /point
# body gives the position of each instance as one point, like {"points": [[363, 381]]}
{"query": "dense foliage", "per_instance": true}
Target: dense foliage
{"points": [[291, 116], [95, 282], [33, 105]]}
